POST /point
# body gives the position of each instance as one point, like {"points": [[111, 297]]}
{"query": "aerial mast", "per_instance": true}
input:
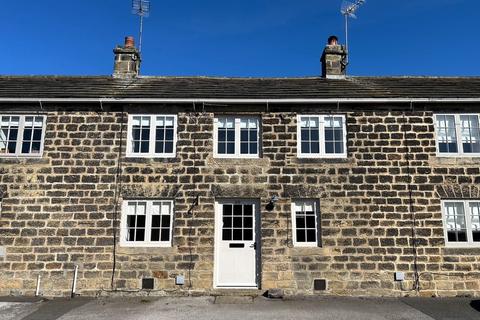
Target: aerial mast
{"points": [[141, 8], [348, 9]]}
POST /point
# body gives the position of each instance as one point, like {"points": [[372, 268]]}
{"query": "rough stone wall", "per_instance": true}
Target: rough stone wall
{"points": [[57, 211]]}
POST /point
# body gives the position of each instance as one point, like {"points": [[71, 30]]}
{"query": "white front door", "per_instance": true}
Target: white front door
{"points": [[235, 247]]}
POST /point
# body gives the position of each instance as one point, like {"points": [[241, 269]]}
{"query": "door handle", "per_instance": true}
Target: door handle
{"points": [[254, 245]]}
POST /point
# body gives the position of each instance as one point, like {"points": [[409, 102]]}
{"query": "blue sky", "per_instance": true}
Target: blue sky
{"points": [[276, 38]]}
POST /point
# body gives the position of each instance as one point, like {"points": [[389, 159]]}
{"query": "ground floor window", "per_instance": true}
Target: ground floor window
{"points": [[461, 220], [146, 223], [305, 223]]}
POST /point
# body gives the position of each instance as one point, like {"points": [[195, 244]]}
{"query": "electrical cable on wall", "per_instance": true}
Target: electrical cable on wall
{"points": [[416, 280], [194, 204], [117, 190]]}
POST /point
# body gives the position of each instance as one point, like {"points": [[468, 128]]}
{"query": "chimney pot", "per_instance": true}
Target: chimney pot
{"points": [[129, 42]]}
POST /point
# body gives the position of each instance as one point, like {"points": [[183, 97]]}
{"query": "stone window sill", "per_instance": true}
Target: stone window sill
{"points": [[144, 250], [145, 160], [322, 160], [440, 161], [238, 161], [467, 251]]}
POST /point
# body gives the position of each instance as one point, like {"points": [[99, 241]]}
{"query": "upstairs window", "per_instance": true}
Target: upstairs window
{"points": [[146, 223], [21, 135], [321, 136], [236, 137], [305, 224], [461, 222], [152, 136], [458, 134]]}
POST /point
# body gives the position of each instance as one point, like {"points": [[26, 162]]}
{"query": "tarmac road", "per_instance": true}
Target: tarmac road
{"points": [[231, 308]]}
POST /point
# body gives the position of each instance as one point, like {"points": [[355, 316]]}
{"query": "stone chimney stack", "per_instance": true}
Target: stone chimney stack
{"points": [[334, 60], [127, 60]]}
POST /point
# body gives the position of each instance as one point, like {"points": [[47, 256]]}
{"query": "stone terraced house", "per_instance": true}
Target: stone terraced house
{"points": [[361, 186]]}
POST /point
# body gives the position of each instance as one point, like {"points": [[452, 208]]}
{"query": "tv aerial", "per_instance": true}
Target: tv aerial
{"points": [[349, 9], [141, 8]]}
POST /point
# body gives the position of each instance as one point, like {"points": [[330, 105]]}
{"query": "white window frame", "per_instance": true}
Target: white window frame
{"points": [[237, 153], [294, 223], [151, 153], [469, 243], [321, 128], [458, 134], [21, 127], [148, 225]]}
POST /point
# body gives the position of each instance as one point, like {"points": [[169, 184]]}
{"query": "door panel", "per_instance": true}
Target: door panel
{"points": [[235, 247]]}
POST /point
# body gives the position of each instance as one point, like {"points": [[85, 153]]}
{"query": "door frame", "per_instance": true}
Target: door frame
{"points": [[258, 239]]}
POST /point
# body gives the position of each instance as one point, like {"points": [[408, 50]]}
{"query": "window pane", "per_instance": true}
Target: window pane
{"points": [[140, 221], [247, 222], [37, 134], [27, 134], [131, 235], [311, 221], [144, 147], [227, 234], [247, 210], [230, 148], [253, 148], [136, 146], [470, 133], [11, 147], [227, 209], [145, 134], [311, 235], [447, 139], [165, 221], [131, 221], [305, 134], [237, 210], [253, 135], [237, 222], [155, 221], [227, 222], [237, 234], [244, 148], [165, 235], [248, 234], [230, 135], [305, 147], [455, 222], [329, 147], [140, 235], [221, 148], [155, 235], [475, 220], [136, 134], [301, 235], [35, 147], [329, 135], [168, 147], [339, 147], [222, 135], [300, 221]]}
